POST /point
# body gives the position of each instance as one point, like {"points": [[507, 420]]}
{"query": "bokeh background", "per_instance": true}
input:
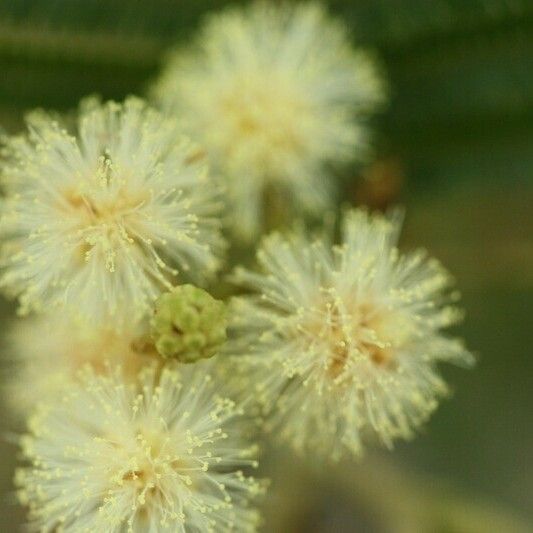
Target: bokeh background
{"points": [[455, 147]]}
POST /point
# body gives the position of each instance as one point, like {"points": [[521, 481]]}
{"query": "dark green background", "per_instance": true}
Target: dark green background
{"points": [[460, 123]]}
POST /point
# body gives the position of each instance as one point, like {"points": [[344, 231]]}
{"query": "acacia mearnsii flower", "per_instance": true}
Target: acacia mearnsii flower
{"points": [[276, 93], [163, 454], [342, 342], [45, 354], [101, 219]]}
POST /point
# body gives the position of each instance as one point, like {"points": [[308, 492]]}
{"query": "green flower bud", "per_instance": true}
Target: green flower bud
{"points": [[188, 324]]}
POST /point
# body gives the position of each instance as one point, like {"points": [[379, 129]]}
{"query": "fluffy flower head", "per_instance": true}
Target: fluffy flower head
{"points": [[164, 455], [47, 353], [275, 92], [345, 339], [100, 221]]}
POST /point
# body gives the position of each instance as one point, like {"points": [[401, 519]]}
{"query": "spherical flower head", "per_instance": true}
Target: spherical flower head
{"points": [[342, 341], [163, 455], [188, 324], [276, 93], [46, 354], [101, 221]]}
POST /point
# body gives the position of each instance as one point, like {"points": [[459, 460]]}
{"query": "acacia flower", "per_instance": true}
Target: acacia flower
{"points": [[342, 341], [102, 220], [275, 93], [163, 455], [46, 354]]}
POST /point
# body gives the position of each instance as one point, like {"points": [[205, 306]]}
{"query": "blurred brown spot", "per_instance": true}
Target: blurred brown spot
{"points": [[381, 184]]}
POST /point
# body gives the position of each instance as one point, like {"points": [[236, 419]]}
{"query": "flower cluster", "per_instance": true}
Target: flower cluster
{"points": [[140, 389], [97, 224]]}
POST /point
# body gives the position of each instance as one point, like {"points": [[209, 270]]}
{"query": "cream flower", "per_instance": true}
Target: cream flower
{"points": [[342, 342], [46, 354], [103, 220], [165, 455], [275, 93]]}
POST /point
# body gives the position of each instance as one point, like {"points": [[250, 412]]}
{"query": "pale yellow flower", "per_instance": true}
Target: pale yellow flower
{"points": [[99, 222], [341, 343], [47, 352], [165, 454], [276, 93]]}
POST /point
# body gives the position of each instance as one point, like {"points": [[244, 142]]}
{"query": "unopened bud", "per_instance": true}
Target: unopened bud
{"points": [[188, 324]]}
